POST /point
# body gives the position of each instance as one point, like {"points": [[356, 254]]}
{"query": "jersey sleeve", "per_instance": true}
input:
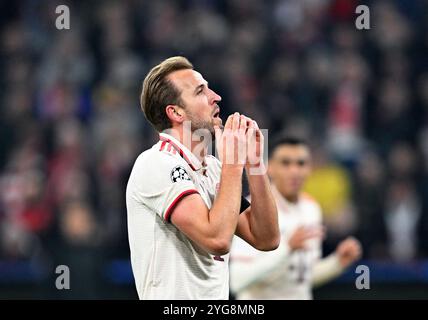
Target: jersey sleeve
{"points": [[318, 242], [162, 182], [249, 266]]}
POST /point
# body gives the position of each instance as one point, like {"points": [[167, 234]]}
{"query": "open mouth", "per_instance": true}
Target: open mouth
{"points": [[216, 113]]}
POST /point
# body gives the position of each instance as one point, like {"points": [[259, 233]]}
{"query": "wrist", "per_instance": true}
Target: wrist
{"points": [[256, 169], [232, 170], [254, 165], [340, 261]]}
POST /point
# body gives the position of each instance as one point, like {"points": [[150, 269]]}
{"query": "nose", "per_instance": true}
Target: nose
{"points": [[294, 170], [215, 97]]}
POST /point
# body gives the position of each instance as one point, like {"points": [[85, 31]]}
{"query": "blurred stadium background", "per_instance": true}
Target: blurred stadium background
{"points": [[71, 127]]}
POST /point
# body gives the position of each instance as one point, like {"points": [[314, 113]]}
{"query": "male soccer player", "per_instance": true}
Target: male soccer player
{"points": [[290, 271], [184, 205]]}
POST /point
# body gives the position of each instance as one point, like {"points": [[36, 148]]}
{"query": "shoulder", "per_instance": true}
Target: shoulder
{"points": [[311, 204], [157, 157], [211, 160], [308, 198], [213, 164], [157, 166]]}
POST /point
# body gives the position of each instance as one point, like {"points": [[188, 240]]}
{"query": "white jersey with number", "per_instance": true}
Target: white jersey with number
{"points": [[166, 264], [282, 274]]}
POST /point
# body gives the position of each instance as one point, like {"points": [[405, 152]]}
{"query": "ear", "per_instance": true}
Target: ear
{"points": [[174, 113]]}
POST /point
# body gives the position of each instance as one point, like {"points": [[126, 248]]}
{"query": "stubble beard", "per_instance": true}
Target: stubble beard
{"points": [[201, 127]]}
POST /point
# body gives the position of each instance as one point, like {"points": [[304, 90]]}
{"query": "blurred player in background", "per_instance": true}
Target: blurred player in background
{"points": [[290, 271], [184, 205]]}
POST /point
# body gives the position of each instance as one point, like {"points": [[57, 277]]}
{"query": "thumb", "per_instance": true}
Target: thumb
{"points": [[218, 133]]}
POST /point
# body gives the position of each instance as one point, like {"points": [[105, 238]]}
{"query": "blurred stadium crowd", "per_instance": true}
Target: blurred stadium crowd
{"points": [[71, 126]]}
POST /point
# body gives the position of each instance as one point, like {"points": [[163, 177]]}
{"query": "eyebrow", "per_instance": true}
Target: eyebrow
{"points": [[201, 86], [293, 160]]}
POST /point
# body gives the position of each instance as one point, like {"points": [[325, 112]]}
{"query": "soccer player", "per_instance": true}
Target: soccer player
{"points": [[184, 205], [290, 271]]}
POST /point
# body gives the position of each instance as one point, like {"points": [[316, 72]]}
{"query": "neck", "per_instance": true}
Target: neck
{"points": [[291, 198], [197, 145]]}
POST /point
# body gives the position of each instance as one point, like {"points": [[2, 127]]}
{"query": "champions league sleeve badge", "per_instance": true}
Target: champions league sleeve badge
{"points": [[179, 174]]}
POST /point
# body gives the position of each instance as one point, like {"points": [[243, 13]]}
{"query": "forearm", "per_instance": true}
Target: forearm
{"points": [[263, 218], [326, 270], [224, 214]]}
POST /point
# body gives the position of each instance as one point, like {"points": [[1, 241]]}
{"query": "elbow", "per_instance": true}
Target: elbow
{"points": [[275, 237], [275, 242], [269, 244], [219, 247]]}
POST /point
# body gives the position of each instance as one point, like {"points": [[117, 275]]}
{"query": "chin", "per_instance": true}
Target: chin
{"points": [[217, 121], [292, 192]]}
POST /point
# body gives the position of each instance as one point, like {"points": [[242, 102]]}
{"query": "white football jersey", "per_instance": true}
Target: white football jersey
{"points": [[166, 264], [281, 274]]}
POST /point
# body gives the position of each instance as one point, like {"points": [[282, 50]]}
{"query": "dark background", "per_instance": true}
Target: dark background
{"points": [[71, 127]]}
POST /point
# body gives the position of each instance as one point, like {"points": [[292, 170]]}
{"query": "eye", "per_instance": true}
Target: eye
{"points": [[301, 163], [200, 89], [285, 162]]}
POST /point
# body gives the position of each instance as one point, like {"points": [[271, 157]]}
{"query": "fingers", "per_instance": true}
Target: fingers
{"points": [[256, 125], [355, 247], [357, 252], [251, 124], [251, 142], [350, 242], [218, 133], [236, 121], [314, 233], [250, 127], [350, 247], [229, 121], [258, 131], [351, 254], [305, 233], [309, 232], [243, 125]]}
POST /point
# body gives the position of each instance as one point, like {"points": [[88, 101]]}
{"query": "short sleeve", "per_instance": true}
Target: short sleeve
{"points": [[162, 182]]}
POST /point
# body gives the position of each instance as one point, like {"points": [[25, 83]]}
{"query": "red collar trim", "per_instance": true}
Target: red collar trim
{"points": [[179, 150]]}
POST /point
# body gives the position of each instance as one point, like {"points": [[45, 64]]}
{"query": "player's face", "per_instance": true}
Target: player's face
{"points": [[200, 102], [289, 167]]}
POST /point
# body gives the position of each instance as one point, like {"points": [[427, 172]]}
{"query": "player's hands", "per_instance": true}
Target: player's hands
{"points": [[302, 234], [348, 251], [231, 142], [255, 145]]}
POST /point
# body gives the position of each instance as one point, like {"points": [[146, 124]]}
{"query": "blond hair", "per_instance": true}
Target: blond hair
{"points": [[158, 91]]}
